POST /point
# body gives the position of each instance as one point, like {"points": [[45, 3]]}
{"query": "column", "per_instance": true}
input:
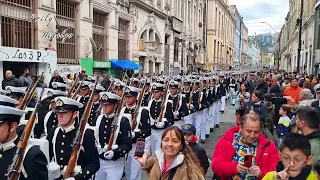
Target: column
{"points": [[113, 34], [85, 26]]}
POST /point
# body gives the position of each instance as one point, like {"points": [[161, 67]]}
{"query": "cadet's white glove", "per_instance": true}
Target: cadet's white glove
{"points": [[136, 130], [200, 106], [70, 178], [113, 147], [160, 124], [108, 155], [176, 114], [133, 134], [191, 107]]}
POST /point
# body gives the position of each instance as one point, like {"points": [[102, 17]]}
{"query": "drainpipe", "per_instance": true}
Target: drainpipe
{"points": [[315, 38]]}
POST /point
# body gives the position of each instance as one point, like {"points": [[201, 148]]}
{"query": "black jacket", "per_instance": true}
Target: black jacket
{"points": [[201, 155], [12, 81], [259, 108]]}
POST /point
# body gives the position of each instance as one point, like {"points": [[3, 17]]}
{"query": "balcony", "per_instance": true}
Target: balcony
{"points": [[124, 5]]}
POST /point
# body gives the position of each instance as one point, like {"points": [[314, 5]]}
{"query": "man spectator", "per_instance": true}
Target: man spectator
{"points": [[10, 80], [246, 139], [251, 83], [293, 90], [83, 76], [255, 106], [308, 123], [316, 103], [25, 79], [56, 78]]}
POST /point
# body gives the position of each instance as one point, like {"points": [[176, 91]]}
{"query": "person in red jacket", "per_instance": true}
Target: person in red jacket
{"points": [[246, 139]]}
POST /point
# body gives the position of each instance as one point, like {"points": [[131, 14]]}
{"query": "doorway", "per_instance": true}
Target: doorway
{"points": [[17, 68]]}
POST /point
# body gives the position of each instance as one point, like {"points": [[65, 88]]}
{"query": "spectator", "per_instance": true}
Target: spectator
{"points": [[286, 82], [83, 75], [228, 156], [296, 159], [262, 86], [189, 132], [25, 79], [243, 96], [316, 103], [278, 100], [255, 106], [56, 78], [268, 124], [10, 80], [308, 121], [293, 90], [173, 151], [283, 127], [313, 83], [42, 83], [316, 168]]}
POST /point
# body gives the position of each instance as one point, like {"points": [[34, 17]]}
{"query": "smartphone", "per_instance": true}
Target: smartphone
{"points": [[140, 144], [248, 161]]}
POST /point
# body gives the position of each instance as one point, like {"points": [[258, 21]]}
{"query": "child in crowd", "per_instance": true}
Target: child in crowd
{"points": [[189, 132], [283, 127], [316, 168], [296, 160]]}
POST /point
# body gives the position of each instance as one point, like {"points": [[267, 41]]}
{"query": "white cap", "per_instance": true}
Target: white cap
{"points": [[98, 87], [57, 85], [109, 98], [53, 92], [12, 89], [67, 104], [7, 110], [8, 101]]}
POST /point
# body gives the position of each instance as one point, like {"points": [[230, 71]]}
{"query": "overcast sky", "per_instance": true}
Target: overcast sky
{"points": [[256, 11]]}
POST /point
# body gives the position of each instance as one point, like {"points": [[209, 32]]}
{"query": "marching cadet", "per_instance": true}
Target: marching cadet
{"points": [[147, 94], [187, 93], [118, 88], [140, 129], [180, 108], [223, 90], [108, 125], [197, 106], [34, 166], [15, 93], [135, 82], [62, 137], [158, 125], [205, 105], [233, 88], [212, 108], [96, 107], [84, 92]]}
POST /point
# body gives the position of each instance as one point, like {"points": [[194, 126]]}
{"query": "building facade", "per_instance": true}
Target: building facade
{"points": [[220, 35], [237, 37], [289, 38], [253, 56], [244, 35]]}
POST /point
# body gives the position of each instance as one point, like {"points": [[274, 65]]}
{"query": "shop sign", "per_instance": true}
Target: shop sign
{"points": [[101, 64], [26, 55]]}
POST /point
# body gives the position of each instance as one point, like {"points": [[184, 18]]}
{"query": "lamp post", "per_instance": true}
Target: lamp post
{"points": [[300, 34]]}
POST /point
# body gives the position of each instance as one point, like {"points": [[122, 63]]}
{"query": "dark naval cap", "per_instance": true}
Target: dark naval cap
{"points": [[64, 104], [109, 98], [131, 91]]}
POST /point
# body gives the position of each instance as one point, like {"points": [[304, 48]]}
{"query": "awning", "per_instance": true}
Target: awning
{"points": [[125, 65]]}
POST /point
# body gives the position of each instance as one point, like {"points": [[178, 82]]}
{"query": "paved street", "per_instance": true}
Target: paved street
{"points": [[227, 121]]}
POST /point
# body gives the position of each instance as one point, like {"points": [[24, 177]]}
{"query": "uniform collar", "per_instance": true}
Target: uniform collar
{"points": [[110, 115], [131, 107], [159, 100], [174, 95], [69, 128], [8, 145]]}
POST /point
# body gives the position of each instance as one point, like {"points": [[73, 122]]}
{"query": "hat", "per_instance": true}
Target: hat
{"points": [[59, 86], [85, 84], [98, 88], [10, 114], [131, 91], [14, 91], [188, 129], [135, 80], [91, 79], [119, 84], [174, 84], [109, 98], [318, 89], [52, 93], [187, 81], [161, 80], [64, 104], [157, 87], [8, 101]]}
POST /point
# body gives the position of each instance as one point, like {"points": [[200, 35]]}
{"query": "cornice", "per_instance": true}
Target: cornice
{"points": [[102, 7], [149, 8]]}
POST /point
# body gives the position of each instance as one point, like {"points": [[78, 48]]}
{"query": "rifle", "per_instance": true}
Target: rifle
{"points": [[29, 94], [136, 112], [73, 86], [115, 126], [14, 169], [77, 141], [190, 97], [164, 103]]}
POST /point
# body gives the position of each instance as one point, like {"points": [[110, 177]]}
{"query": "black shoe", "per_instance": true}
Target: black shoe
{"points": [[222, 112], [233, 104], [211, 129], [217, 125], [203, 141], [207, 135]]}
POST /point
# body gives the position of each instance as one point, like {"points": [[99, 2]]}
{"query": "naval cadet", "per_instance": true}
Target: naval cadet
{"points": [[15, 93], [188, 95], [223, 90], [59, 86], [34, 165], [233, 89], [96, 107], [112, 151], [197, 93], [84, 92], [118, 88], [135, 82], [140, 128], [158, 124], [147, 90], [180, 108], [61, 137]]}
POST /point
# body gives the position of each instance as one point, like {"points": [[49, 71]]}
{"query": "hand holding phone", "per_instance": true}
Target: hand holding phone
{"points": [[248, 161], [140, 145]]}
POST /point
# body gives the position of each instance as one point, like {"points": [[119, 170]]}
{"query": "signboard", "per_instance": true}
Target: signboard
{"points": [[47, 59], [101, 64], [65, 69]]}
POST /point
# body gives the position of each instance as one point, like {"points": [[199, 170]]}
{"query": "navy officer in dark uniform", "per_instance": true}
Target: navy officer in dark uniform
{"points": [[112, 160], [62, 137], [96, 107], [35, 162], [147, 93]]}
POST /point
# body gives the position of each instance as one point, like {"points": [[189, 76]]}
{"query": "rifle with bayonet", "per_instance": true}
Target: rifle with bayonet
{"points": [[136, 112], [76, 82]]}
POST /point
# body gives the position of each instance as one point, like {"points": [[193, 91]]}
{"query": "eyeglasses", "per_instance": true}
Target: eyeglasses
{"points": [[296, 161]]}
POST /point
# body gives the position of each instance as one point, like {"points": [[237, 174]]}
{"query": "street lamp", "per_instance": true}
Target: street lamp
{"points": [[269, 26]]}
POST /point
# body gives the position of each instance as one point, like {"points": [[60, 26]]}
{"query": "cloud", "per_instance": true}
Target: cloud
{"points": [[256, 11]]}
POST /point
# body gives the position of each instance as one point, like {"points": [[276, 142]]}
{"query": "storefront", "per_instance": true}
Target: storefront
{"points": [[96, 67], [37, 61]]}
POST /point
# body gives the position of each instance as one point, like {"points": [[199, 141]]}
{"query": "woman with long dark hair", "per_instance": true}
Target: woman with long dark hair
{"points": [[174, 161]]}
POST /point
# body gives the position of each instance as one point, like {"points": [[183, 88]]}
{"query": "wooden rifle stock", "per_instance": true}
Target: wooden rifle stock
{"points": [[73, 86], [134, 118], [15, 167], [164, 102], [29, 94], [79, 136]]}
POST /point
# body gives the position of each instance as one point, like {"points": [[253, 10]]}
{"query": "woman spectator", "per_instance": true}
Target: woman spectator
{"points": [[246, 139], [174, 160], [262, 86], [243, 96], [255, 106]]}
